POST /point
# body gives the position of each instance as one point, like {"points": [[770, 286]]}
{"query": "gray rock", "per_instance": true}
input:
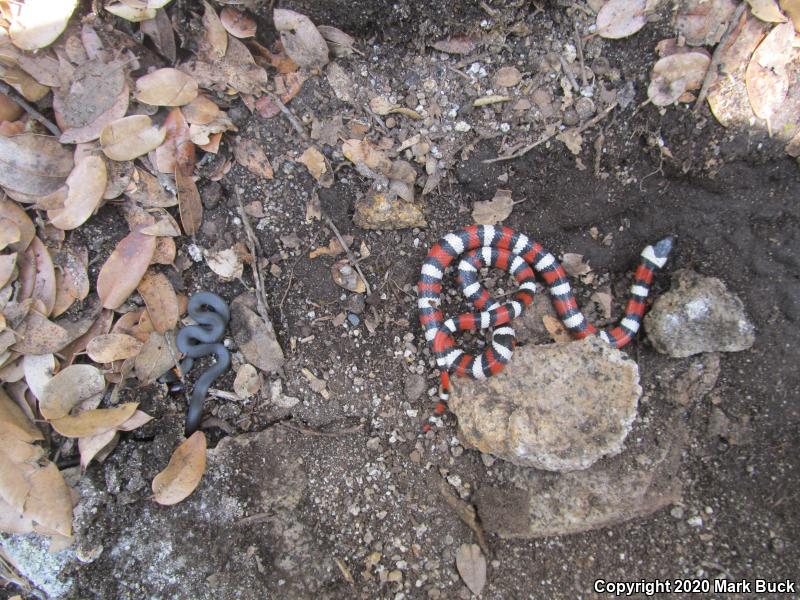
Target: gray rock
{"points": [[529, 327], [558, 407], [414, 386], [698, 315], [255, 336], [640, 481]]}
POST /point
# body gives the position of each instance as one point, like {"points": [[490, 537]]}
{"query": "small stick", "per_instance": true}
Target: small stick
{"points": [[590, 123], [28, 108], [289, 115], [568, 73], [350, 255], [255, 250], [717, 57], [224, 395], [579, 45]]}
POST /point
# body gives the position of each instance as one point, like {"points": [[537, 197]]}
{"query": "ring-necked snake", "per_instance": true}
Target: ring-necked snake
{"points": [[196, 341], [503, 248]]}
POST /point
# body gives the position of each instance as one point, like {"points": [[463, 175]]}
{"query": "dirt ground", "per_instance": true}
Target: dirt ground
{"points": [[729, 198]]}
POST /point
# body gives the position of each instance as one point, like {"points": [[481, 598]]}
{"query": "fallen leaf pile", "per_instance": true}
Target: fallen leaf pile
{"points": [[129, 135]]}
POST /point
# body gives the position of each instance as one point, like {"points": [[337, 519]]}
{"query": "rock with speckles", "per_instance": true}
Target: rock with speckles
{"points": [[387, 210], [698, 315], [558, 407]]}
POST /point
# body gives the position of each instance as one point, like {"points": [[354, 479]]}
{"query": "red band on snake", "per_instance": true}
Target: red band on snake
{"points": [[486, 245]]}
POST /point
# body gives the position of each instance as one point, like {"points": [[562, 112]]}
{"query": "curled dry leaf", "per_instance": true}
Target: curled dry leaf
{"points": [[247, 381], [33, 164], [39, 370], [10, 211], [675, 74], [226, 263], [69, 388], [201, 111], [237, 23], [766, 77], [86, 186], [94, 421], [159, 30], [166, 87], [37, 275], [94, 446], [38, 23], [155, 357], [621, 18], [236, 70], [184, 471], [303, 42], [495, 210], [215, 43], [177, 151], [190, 206], [130, 137], [471, 565], [113, 346], [767, 10], [160, 299], [251, 156], [125, 268], [346, 276], [339, 43], [314, 161]]}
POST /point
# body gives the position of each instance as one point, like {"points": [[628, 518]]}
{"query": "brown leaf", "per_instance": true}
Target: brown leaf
{"points": [[507, 77], [767, 78], [9, 233], [154, 359], [471, 565], [125, 268], [184, 471], [251, 156], [166, 87], [92, 130], [149, 192], [236, 70], [94, 421], [8, 264], [86, 186], [49, 503], [69, 388], [130, 137], [159, 30], [767, 10], [792, 10], [13, 422], [303, 42], [703, 23], [33, 164], [556, 329], [160, 299], [316, 165], [339, 43], [91, 92], [461, 44], [130, 12], [345, 275], [37, 276], [201, 111], [177, 151], [38, 23], [674, 74], [247, 381], [91, 446], [39, 370], [214, 45], [621, 18], [237, 23], [11, 211], [495, 210], [165, 251], [190, 205], [226, 263], [166, 227], [113, 346], [254, 336]]}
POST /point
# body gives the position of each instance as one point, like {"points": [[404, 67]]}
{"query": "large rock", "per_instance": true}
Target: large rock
{"points": [[641, 480], [558, 407], [698, 315]]}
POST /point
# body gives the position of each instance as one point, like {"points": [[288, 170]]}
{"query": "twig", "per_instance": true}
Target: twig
{"points": [[350, 255], [222, 394], [289, 115], [15, 96], [307, 431], [466, 512], [255, 251], [590, 123], [377, 119], [568, 72], [579, 45], [717, 57], [291, 278]]}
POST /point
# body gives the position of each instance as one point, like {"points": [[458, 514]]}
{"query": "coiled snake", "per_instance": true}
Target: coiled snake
{"points": [[503, 248]]}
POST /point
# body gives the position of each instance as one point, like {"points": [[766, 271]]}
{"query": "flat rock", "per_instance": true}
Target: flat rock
{"points": [[255, 336], [387, 210], [638, 482], [698, 315], [558, 407]]}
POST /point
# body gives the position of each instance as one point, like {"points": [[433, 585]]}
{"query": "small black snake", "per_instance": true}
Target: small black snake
{"points": [[203, 339]]}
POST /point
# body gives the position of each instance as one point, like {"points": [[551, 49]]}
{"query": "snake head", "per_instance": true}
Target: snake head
{"points": [[663, 247]]}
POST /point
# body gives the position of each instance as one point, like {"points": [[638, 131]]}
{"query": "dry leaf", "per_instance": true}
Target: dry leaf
{"points": [[134, 14], [166, 87], [155, 358], [33, 164], [792, 10], [495, 210], [165, 251], [166, 227], [49, 502], [13, 422], [703, 23], [11, 211], [346, 276], [8, 264], [70, 387], [471, 565], [138, 419], [247, 382], [38, 23], [130, 137], [225, 263], [190, 206], [237, 23], [573, 264], [125, 268], [339, 43], [38, 335], [556, 329], [621, 18], [149, 193], [92, 130], [767, 10], [184, 471], [251, 156], [201, 111], [572, 139], [39, 370], [318, 385], [86, 186], [334, 248], [303, 42], [215, 43], [113, 346], [37, 277], [766, 77], [254, 336], [160, 299], [236, 70], [316, 165], [159, 30], [456, 45], [674, 74], [9, 233], [89, 447], [94, 421], [507, 77]]}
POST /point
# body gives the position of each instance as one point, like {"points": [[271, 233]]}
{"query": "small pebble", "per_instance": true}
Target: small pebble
{"points": [[354, 320]]}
